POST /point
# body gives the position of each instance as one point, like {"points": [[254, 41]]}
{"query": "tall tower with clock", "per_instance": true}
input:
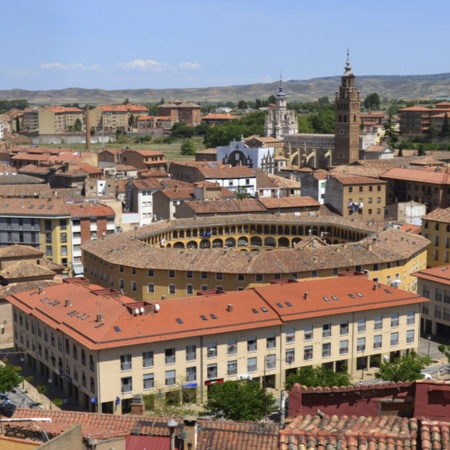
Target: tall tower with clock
{"points": [[347, 121]]}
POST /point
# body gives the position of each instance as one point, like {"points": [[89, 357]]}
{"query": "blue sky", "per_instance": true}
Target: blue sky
{"points": [[112, 44]]}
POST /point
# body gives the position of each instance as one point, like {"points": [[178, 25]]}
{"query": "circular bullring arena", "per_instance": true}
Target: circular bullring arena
{"points": [[183, 257]]}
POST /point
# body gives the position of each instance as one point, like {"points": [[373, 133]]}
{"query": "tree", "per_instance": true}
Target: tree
{"points": [[406, 368], [421, 151], [241, 193], [239, 400], [323, 122], [323, 100], [431, 132], [77, 125], [445, 350], [372, 101], [18, 124], [131, 121], [126, 101], [9, 378], [317, 376], [242, 104], [304, 125], [445, 131], [188, 147], [181, 130]]}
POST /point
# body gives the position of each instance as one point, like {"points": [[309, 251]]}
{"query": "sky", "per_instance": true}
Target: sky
{"points": [[161, 44]]}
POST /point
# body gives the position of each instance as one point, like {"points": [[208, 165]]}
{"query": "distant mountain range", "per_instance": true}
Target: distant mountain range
{"points": [[406, 87]]}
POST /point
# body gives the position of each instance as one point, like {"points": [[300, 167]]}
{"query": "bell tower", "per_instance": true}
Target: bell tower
{"points": [[347, 120]]}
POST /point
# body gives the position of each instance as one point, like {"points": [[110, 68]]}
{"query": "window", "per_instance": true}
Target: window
{"points": [[438, 295], [219, 276], [170, 377], [410, 336], [437, 312], [120, 268], [133, 271], [290, 356], [377, 341], [343, 347], [271, 341], [211, 371], [150, 273], [125, 362], [148, 381], [271, 362], [191, 374], [394, 339], [189, 274], [344, 328], [378, 322], [290, 335], [189, 289], [83, 357], [147, 359], [204, 275], [134, 286], [410, 318], [259, 278], [74, 351], [171, 273], [231, 347], [169, 354], [150, 288], [241, 277], [252, 344], [361, 344], [308, 352], [394, 320], [361, 325], [308, 333], [212, 350], [326, 330], [252, 365], [191, 352], [326, 350], [172, 289], [231, 368], [127, 384]]}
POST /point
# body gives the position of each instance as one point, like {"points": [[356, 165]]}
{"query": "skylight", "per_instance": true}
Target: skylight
{"points": [[203, 317], [326, 299], [117, 329], [180, 321], [288, 304], [280, 305]]}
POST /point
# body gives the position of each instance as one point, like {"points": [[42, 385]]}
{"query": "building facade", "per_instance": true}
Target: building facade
{"points": [[102, 347]]}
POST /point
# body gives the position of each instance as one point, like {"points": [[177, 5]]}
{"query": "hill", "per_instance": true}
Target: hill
{"points": [[406, 87]]}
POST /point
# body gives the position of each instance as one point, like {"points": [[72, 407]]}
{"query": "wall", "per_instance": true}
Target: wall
{"points": [[69, 440]]}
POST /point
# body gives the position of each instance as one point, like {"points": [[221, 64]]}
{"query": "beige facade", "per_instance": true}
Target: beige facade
{"points": [[58, 119], [103, 359], [436, 228], [187, 256]]}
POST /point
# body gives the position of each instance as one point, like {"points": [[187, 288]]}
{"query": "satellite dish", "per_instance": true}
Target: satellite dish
{"points": [[157, 307]]}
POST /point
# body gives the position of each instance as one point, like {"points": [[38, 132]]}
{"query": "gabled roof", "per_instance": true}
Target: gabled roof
{"points": [[226, 206], [35, 207], [289, 202], [93, 210], [26, 269], [439, 215], [20, 251], [440, 274], [419, 176], [354, 180]]}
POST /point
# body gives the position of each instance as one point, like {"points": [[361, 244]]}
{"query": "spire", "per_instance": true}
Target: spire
{"points": [[348, 68], [280, 88]]}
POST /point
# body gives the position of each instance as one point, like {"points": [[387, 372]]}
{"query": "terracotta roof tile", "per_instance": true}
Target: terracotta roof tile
{"points": [[19, 251], [89, 210], [248, 205], [289, 202]]}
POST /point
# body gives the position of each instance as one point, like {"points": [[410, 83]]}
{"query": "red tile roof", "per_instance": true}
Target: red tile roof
{"points": [[93, 210], [420, 176], [289, 202]]}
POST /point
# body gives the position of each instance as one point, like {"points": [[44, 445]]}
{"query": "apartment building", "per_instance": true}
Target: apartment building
{"points": [[58, 119], [145, 159], [434, 284], [182, 111], [103, 347], [171, 259], [145, 123], [356, 196], [436, 228], [430, 186], [415, 120], [42, 223], [89, 221], [112, 118]]}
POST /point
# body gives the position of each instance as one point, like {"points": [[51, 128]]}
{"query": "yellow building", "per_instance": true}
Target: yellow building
{"points": [[58, 119], [356, 196], [42, 223], [436, 228], [171, 259], [102, 348]]}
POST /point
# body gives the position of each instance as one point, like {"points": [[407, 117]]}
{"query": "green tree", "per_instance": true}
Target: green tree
{"points": [[188, 147], [372, 101], [445, 350], [241, 193], [131, 121], [304, 125], [18, 124], [323, 121], [445, 131], [9, 378], [421, 151], [406, 368], [242, 104], [317, 376], [323, 100], [77, 125], [239, 400], [181, 130], [271, 99], [390, 132], [431, 133], [126, 102]]}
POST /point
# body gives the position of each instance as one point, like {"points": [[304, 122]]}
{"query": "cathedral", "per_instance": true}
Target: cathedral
{"points": [[280, 122], [320, 151]]}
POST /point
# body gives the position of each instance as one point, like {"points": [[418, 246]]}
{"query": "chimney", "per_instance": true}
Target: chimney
{"points": [[88, 130], [230, 307], [67, 302], [138, 405], [41, 290], [99, 317], [190, 428], [376, 286], [306, 296]]}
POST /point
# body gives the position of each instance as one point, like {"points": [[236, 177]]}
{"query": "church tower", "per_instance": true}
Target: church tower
{"points": [[280, 121], [347, 121]]}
